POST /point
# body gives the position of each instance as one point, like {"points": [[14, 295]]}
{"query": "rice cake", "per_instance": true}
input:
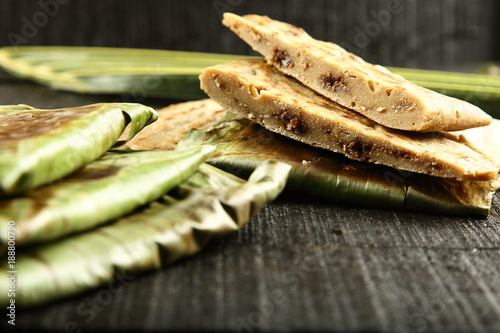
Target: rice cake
{"points": [[254, 89], [345, 78], [483, 140], [174, 121]]}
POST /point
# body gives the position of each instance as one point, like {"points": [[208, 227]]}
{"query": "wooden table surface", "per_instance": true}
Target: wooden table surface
{"points": [[301, 264]]}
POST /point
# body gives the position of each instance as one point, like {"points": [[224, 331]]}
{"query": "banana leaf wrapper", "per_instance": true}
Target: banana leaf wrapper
{"points": [[241, 145], [174, 74], [210, 203], [103, 190], [40, 146]]}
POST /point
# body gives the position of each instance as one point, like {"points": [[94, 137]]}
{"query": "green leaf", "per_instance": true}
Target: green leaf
{"points": [[210, 203], [174, 74], [139, 72], [105, 189], [242, 144], [41, 146]]}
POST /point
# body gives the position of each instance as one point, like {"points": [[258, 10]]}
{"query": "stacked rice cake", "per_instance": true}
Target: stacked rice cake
{"points": [[355, 116], [345, 78], [257, 91]]}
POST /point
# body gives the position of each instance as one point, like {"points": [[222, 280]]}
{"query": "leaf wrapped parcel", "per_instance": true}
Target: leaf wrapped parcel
{"points": [[41, 146], [241, 145], [210, 203], [105, 189]]}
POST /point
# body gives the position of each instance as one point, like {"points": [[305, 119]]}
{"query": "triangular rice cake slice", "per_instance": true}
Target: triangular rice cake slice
{"points": [[345, 78], [481, 139], [258, 91]]}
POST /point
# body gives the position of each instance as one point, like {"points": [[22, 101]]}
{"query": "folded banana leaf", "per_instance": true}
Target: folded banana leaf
{"points": [[105, 189], [41, 146], [138, 72], [174, 74], [210, 203], [242, 144]]}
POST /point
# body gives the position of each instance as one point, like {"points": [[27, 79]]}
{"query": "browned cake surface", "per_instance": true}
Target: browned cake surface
{"points": [[260, 92], [174, 121], [347, 79], [26, 124]]}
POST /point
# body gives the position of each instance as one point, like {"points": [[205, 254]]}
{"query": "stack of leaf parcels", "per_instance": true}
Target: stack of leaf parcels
{"points": [[415, 146], [74, 213]]}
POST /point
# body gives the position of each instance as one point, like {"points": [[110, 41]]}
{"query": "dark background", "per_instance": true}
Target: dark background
{"points": [[438, 34]]}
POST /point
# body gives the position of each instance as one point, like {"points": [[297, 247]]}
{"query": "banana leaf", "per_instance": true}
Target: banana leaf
{"points": [[242, 144], [210, 203], [41, 146], [105, 189], [480, 89], [101, 70], [174, 74]]}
